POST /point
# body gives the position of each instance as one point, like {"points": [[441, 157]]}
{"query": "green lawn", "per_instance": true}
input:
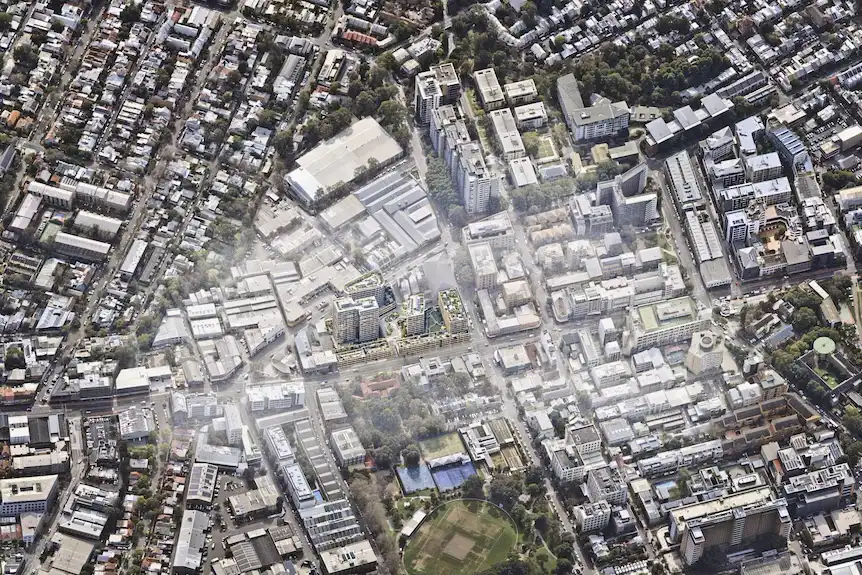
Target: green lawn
{"points": [[441, 446], [546, 147], [461, 538], [830, 380]]}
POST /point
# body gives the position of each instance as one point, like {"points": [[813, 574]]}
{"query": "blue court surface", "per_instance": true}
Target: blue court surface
{"points": [[415, 479], [449, 478]]}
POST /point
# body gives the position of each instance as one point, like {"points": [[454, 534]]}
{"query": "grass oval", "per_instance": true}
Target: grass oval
{"points": [[461, 537]]}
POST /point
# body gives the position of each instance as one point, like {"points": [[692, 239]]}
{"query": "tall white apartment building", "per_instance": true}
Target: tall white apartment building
{"points": [[427, 96], [475, 181], [233, 424], [592, 516]]}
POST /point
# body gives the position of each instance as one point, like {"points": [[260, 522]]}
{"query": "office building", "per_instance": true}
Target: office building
{"points": [[664, 323], [791, 149], [475, 182], [585, 438], [355, 320], [599, 122], [592, 516], [506, 132], [27, 495], [278, 396], [607, 484], [819, 491], [488, 89], [728, 522], [566, 462]]}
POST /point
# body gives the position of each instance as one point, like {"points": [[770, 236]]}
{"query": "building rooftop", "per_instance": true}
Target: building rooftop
{"points": [[522, 172], [755, 496], [682, 178], [201, 482], [488, 85], [25, 489], [492, 226], [665, 314], [520, 89], [336, 160]]}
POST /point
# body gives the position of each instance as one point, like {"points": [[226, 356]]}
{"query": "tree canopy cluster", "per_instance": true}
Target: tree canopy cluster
{"points": [[638, 75], [390, 427]]}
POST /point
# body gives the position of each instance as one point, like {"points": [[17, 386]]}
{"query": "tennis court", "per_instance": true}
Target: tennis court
{"points": [[414, 479], [449, 478]]}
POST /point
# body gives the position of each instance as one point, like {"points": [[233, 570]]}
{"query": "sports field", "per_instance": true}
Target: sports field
{"points": [[461, 538], [441, 446]]}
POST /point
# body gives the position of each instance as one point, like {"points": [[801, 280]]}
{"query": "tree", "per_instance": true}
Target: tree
{"points": [[473, 487], [364, 104], [283, 144], [268, 118], [391, 113], [528, 13], [804, 319], [463, 268], [25, 56], [564, 566], [5, 21], [15, 358], [564, 551], [130, 14], [531, 143], [411, 456], [504, 490], [387, 61], [852, 420]]}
